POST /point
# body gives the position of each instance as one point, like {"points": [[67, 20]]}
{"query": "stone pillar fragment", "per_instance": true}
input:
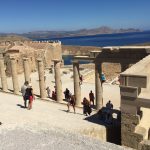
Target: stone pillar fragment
{"points": [[58, 83], [77, 88], [98, 87], [41, 78], [26, 69], [14, 75], [3, 74]]}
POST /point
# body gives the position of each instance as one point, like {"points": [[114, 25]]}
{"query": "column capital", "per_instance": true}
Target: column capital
{"points": [[12, 57], [39, 59]]}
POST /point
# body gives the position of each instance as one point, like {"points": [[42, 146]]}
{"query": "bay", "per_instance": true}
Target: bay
{"points": [[119, 39]]}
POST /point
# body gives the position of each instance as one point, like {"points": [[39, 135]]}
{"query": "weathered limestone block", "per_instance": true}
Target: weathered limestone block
{"points": [[134, 80], [130, 119], [128, 127], [131, 139], [144, 145], [129, 91], [129, 109]]}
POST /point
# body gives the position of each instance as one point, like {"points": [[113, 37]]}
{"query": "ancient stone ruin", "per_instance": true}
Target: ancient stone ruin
{"points": [[46, 50], [134, 88]]}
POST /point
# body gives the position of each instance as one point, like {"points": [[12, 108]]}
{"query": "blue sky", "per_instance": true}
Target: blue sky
{"points": [[32, 15]]}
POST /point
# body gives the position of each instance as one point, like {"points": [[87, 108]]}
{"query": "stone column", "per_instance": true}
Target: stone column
{"points": [[41, 78], [124, 66], [14, 75], [3, 74], [58, 83], [77, 88], [26, 69], [98, 87]]}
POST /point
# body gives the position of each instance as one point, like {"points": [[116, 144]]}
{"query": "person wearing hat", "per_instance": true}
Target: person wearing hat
{"points": [[30, 94]]}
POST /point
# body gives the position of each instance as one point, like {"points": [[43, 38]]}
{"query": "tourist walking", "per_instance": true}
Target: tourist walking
{"points": [[54, 95], [67, 94], [23, 91], [86, 107], [109, 106], [91, 97], [71, 102], [29, 92], [48, 91]]}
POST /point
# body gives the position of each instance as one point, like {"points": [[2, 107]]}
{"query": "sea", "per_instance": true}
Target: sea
{"points": [[118, 39]]}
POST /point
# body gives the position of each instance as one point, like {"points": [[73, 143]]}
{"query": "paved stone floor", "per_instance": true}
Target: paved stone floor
{"points": [[47, 126]]}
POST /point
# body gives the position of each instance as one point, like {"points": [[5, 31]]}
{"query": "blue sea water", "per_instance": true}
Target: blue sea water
{"points": [[119, 39]]}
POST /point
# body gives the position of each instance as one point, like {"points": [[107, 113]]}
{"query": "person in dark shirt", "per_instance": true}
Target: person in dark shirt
{"points": [[23, 91], [71, 102], [91, 97], [29, 92], [67, 94], [86, 106]]}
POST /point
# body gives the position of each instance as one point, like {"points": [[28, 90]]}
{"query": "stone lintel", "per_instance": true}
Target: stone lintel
{"points": [[134, 80], [25, 58], [56, 60], [75, 61], [139, 102]]}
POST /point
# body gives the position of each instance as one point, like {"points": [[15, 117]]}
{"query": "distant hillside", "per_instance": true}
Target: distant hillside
{"points": [[81, 32], [5, 37]]}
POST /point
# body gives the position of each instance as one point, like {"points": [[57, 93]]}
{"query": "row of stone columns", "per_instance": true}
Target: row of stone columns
{"points": [[58, 83], [26, 74], [98, 86]]}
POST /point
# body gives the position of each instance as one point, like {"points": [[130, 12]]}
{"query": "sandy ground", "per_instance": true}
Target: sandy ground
{"points": [[47, 126]]}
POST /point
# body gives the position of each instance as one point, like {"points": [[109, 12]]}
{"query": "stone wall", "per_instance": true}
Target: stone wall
{"points": [[134, 90], [78, 50], [46, 50]]}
